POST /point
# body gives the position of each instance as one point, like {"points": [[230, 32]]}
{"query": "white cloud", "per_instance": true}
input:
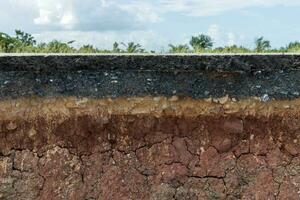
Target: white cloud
{"points": [[214, 32], [215, 7], [144, 11], [99, 15], [231, 39], [59, 13], [44, 17], [221, 37], [68, 20], [88, 15]]}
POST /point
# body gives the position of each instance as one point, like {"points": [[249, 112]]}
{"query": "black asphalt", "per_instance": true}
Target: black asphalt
{"points": [[239, 76]]}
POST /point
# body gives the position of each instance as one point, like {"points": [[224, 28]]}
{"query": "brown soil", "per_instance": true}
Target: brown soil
{"points": [[149, 148]]}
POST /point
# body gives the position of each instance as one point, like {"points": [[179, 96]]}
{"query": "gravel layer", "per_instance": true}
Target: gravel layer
{"points": [[199, 76]]}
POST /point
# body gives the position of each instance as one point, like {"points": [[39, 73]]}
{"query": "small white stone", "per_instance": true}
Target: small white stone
{"points": [[174, 98], [202, 149], [295, 141], [223, 100], [209, 100], [265, 98], [156, 98]]}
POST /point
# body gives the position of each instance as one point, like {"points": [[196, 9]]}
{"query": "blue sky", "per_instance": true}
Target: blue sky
{"points": [[154, 23]]}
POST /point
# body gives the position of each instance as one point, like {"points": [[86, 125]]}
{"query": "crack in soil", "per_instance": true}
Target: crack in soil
{"points": [[148, 156]]}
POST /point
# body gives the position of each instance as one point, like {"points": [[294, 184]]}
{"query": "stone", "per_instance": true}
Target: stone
{"points": [[224, 99]]}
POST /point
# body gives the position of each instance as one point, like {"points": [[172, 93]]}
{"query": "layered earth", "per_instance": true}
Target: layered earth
{"points": [[150, 127]]}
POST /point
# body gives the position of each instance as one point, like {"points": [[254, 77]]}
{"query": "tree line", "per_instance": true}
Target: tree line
{"points": [[22, 42]]}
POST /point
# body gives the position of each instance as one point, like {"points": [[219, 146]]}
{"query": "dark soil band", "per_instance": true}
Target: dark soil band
{"points": [[196, 76]]}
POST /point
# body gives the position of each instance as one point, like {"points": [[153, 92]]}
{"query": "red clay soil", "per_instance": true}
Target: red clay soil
{"points": [[149, 148]]}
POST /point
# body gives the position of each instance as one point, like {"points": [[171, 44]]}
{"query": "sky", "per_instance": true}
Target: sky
{"points": [[153, 23]]}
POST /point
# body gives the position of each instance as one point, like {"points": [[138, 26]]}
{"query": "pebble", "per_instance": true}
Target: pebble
{"points": [[32, 132], [223, 100], [156, 98], [265, 98], [209, 100], [81, 101], [296, 93], [286, 106], [174, 98], [206, 93]]}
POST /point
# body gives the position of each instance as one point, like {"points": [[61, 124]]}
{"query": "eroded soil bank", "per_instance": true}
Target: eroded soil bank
{"points": [[149, 148]]}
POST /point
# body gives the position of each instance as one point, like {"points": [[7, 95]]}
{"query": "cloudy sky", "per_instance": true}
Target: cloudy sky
{"points": [[153, 23]]}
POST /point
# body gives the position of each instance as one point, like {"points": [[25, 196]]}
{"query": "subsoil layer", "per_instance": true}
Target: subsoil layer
{"points": [[149, 148]]}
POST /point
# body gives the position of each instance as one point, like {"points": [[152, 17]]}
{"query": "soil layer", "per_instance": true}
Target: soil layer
{"points": [[149, 148], [272, 76]]}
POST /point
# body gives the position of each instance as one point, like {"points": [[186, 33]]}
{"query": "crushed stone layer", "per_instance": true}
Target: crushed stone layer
{"points": [[272, 76], [149, 148]]}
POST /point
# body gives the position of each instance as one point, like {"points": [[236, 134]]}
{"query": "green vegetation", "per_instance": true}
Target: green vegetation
{"points": [[23, 42], [201, 43], [293, 47], [262, 45], [182, 48], [131, 47]]}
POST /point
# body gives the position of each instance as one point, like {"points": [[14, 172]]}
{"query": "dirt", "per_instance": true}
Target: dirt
{"points": [[149, 148]]}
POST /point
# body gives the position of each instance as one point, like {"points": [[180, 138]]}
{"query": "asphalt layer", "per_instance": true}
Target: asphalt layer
{"points": [[240, 76]]}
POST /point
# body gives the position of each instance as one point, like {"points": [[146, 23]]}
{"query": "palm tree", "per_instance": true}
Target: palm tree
{"points": [[56, 46], [7, 43], [88, 49], [25, 38], [201, 42], [232, 49], [131, 47], [293, 45], [116, 48], [261, 44], [181, 48]]}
